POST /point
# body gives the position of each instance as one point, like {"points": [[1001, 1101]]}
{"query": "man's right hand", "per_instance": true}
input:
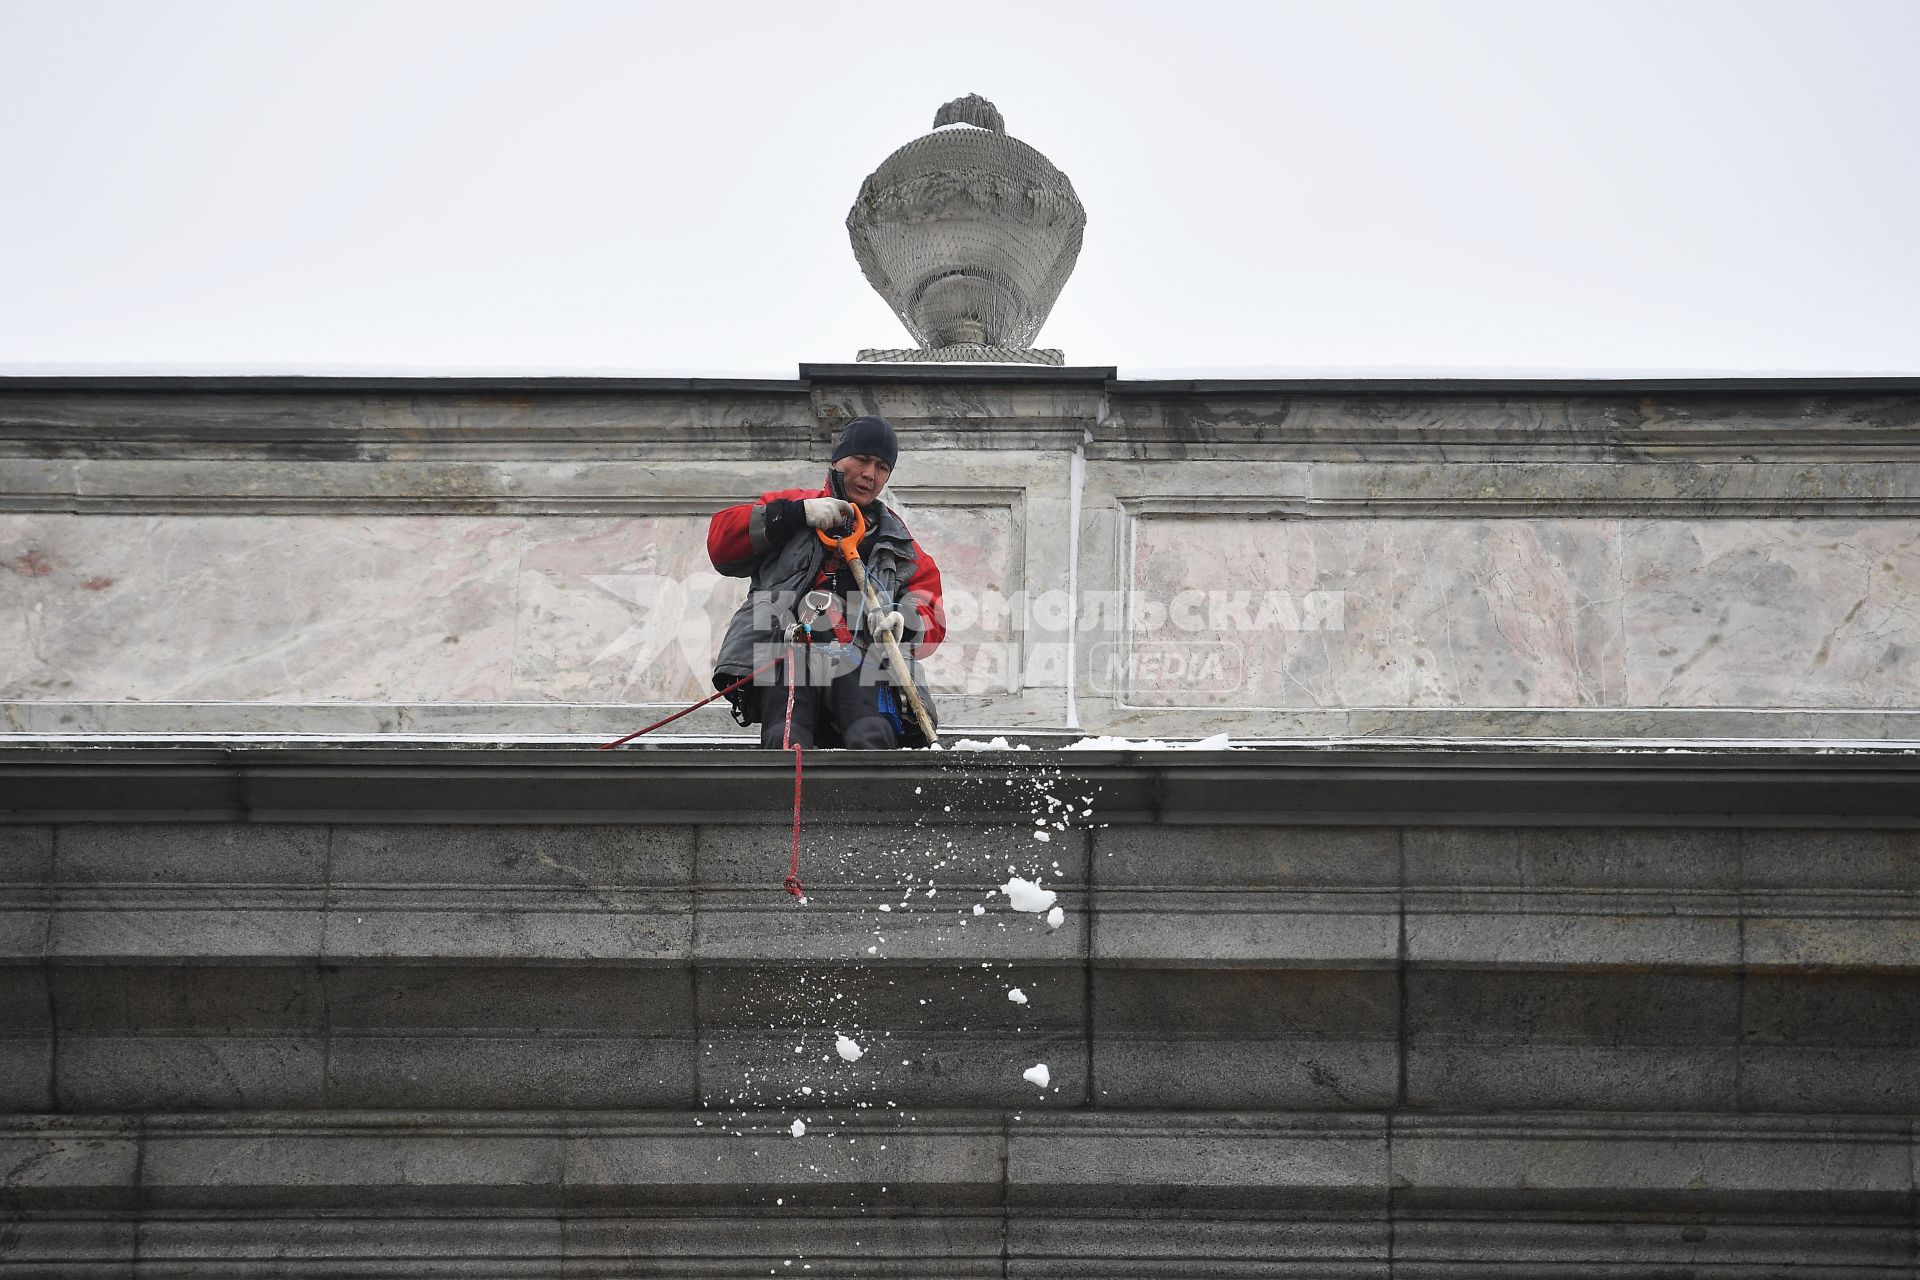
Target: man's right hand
{"points": [[828, 513]]}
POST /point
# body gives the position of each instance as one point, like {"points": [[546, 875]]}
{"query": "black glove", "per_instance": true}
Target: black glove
{"points": [[788, 516], [785, 517]]}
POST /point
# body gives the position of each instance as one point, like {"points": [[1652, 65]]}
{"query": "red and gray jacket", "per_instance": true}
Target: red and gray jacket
{"points": [[769, 543]]}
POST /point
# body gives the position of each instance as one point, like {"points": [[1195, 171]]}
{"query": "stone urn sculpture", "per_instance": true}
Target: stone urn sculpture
{"points": [[969, 235]]}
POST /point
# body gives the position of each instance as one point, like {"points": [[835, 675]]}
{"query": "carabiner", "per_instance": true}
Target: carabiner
{"points": [[812, 606]]}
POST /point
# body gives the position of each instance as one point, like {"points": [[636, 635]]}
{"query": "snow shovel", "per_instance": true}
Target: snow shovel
{"points": [[849, 548]]}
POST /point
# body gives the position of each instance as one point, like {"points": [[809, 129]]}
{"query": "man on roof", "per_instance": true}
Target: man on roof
{"points": [[846, 695]]}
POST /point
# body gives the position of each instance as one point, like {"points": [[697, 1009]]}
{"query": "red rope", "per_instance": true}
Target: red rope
{"points": [[606, 746], [793, 871], [792, 882], [786, 735]]}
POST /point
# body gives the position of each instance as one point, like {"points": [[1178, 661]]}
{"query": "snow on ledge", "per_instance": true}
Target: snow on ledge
{"points": [[1033, 741], [1218, 742]]}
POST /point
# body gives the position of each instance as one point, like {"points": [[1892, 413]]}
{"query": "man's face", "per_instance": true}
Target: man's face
{"points": [[865, 475]]}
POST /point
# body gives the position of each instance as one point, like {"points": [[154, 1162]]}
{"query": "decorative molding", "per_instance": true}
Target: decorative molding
{"points": [[964, 353], [1624, 424], [1852, 1168], [1808, 786]]}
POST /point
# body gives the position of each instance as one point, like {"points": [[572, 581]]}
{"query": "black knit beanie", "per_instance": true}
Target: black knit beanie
{"points": [[869, 435]]}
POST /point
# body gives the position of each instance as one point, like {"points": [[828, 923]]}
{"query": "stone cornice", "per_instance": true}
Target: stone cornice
{"points": [[419, 384], [978, 1160], [361, 423], [1576, 386], [291, 420], [1625, 422], [678, 785], [404, 385]]}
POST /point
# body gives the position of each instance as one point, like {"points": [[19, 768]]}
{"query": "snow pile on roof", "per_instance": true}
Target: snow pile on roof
{"points": [[1218, 742]]}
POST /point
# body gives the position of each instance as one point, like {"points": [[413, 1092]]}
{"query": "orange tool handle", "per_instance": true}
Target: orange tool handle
{"points": [[848, 545]]}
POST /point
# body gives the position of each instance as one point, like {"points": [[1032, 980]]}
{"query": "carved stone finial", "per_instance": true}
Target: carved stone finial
{"points": [[972, 109], [969, 235]]}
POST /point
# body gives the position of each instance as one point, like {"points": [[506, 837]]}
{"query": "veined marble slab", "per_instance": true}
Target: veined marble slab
{"points": [[1522, 613], [406, 608], [231, 608], [1773, 613], [1304, 614]]}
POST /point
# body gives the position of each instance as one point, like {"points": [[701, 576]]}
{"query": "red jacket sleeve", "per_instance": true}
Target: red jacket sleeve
{"points": [[923, 597], [737, 536]]}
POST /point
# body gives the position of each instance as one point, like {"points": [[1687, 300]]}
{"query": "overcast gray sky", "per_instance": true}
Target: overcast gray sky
{"points": [[610, 187]]}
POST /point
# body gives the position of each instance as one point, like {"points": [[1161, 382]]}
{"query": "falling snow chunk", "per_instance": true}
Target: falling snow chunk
{"points": [[1054, 918], [1017, 996], [1037, 1073], [848, 1050], [979, 910], [799, 1129], [1025, 895], [1042, 836], [883, 906]]}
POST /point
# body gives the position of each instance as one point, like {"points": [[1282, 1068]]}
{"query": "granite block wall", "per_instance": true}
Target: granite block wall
{"points": [[1341, 1043]]}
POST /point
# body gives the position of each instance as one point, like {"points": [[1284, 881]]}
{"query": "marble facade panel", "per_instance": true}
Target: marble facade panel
{"points": [[1518, 614], [429, 608], [234, 608], [1396, 613], [1529, 562], [981, 554], [1772, 613]]}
